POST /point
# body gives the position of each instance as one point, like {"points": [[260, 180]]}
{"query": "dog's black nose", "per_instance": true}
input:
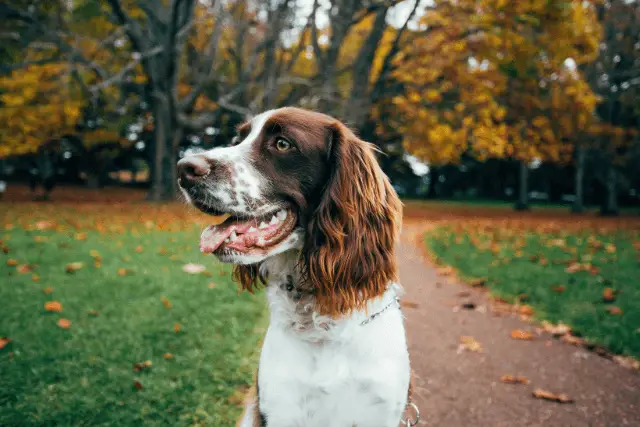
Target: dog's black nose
{"points": [[192, 169]]}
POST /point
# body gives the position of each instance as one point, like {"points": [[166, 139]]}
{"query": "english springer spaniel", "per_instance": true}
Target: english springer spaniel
{"points": [[299, 204]]}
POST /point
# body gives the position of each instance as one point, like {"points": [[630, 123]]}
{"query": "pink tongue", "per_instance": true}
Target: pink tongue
{"points": [[214, 236]]}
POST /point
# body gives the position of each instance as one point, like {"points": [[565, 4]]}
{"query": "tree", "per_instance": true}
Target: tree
{"points": [[476, 84]]}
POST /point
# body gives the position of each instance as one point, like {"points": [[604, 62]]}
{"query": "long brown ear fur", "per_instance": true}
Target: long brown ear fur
{"points": [[248, 276], [349, 254]]}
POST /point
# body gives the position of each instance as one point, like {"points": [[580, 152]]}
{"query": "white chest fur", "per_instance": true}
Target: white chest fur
{"points": [[318, 372]]}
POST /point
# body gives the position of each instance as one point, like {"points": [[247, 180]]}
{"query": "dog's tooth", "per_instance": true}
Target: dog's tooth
{"points": [[282, 215], [252, 229], [234, 236], [274, 220], [262, 225], [227, 240]]}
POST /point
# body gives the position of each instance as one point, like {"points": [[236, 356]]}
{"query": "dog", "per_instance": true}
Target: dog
{"points": [[299, 204]]}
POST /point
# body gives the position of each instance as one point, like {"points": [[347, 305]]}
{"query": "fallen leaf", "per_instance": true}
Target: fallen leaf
{"points": [[94, 313], [627, 362], [409, 304], [572, 339], [35, 277], [139, 249], [470, 344], [12, 262], [574, 267], [558, 289], [510, 379], [608, 295], [177, 328], [239, 396], [553, 397], [193, 268], [519, 334], [463, 294], [47, 290], [44, 225], [123, 271], [94, 253], [64, 323], [168, 356], [73, 267], [212, 285], [556, 330], [526, 310], [166, 302], [4, 341], [24, 269], [137, 367], [137, 385], [81, 236], [468, 306], [54, 306], [478, 282], [614, 311]]}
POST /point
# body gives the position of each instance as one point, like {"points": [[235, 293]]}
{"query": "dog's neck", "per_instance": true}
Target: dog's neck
{"points": [[292, 304]]}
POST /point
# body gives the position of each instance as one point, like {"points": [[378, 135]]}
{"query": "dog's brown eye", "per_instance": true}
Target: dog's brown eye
{"points": [[282, 144]]}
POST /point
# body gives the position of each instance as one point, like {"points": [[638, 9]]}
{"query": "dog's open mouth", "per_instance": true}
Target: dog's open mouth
{"points": [[246, 234]]}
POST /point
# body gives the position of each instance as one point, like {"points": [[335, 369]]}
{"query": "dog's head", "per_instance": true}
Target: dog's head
{"points": [[293, 179]]}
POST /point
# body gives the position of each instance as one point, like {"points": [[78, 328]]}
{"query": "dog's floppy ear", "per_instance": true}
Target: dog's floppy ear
{"points": [[348, 256], [248, 276]]}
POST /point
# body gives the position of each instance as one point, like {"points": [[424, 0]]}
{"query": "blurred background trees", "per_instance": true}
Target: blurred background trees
{"points": [[490, 99]]}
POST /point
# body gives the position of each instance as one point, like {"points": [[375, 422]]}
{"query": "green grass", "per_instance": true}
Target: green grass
{"points": [[534, 264], [84, 375]]}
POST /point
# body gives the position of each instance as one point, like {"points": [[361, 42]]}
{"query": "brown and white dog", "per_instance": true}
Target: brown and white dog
{"points": [[301, 205]]}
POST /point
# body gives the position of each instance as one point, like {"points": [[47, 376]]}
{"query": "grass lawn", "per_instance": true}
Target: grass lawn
{"points": [[587, 279], [129, 302]]}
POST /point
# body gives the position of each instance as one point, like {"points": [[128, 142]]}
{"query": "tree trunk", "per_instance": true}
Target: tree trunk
{"points": [[610, 202], [163, 180], [578, 204], [523, 187], [434, 176]]}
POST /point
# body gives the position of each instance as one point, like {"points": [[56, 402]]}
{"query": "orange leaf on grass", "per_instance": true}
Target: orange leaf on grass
{"points": [[519, 334], [137, 385], [4, 341], [608, 295], [177, 328], [64, 323], [47, 290], [54, 306], [24, 268], [166, 303], [141, 366], [615, 311], [12, 262], [168, 356]]}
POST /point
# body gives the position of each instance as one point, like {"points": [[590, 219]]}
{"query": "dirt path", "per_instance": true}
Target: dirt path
{"points": [[463, 389]]}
